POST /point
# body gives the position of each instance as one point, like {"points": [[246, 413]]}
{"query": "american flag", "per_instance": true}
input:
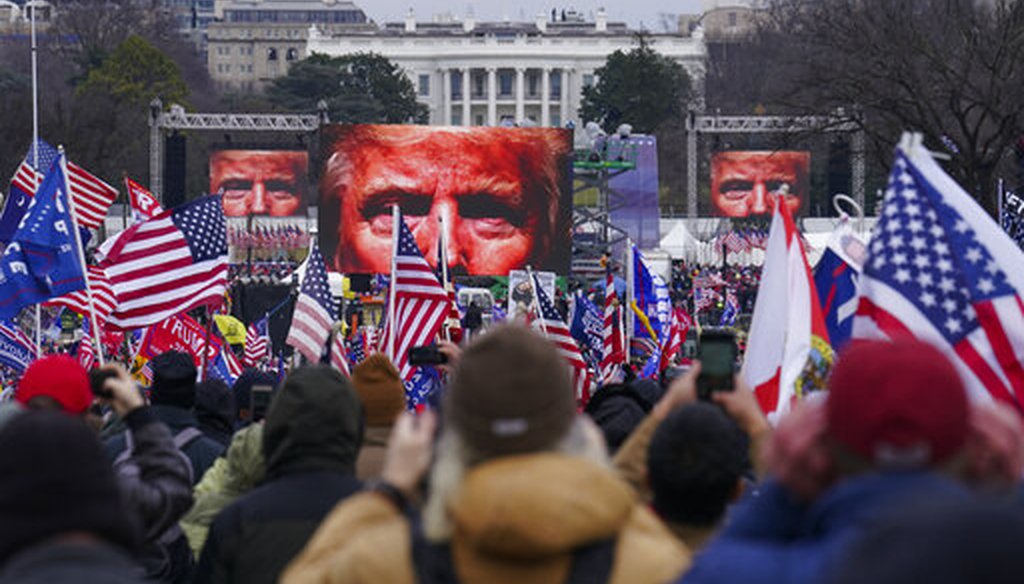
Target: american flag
{"points": [[92, 197], [940, 269], [680, 325], [102, 297], [704, 298], [338, 358], [358, 353], [551, 325], [86, 350], [257, 345], [421, 304], [314, 310], [174, 262], [614, 353]]}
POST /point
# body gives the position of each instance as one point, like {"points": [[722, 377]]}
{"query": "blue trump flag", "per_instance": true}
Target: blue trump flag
{"points": [[835, 277], [587, 326], [42, 260], [23, 188]]}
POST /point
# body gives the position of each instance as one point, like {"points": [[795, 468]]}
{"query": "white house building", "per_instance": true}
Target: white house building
{"points": [[489, 73]]}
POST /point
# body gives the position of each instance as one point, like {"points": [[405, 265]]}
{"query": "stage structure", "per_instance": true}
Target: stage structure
{"points": [[697, 124], [594, 232], [176, 118]]}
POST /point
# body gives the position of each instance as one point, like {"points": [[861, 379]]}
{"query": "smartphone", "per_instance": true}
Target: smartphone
{"points": [[259, 401], [717, 353], [426, 355], [97, 377]]}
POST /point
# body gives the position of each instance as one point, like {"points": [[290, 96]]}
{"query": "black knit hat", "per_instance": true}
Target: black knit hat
{"points": [[174, 380], [56, 480], [511, 393]]}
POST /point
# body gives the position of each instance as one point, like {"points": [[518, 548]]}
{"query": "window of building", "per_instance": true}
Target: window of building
{"points": [[556, 85], [732, 19], [588, 80], [556, 121], [478, 86], [479, 119], [456, 88], [424, 85], [456, 118], [533, 85], [271, 54], [292, 54], [505, 83]]}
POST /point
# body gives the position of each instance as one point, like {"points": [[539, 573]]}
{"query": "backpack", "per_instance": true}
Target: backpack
{"points": [[168, 558], [433, 564]]}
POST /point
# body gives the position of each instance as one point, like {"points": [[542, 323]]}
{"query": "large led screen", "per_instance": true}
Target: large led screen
{"points": [[503, 196], [260, 182], [746, 182]]}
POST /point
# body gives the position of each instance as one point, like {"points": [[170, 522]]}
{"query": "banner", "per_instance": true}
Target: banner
{"points": [[180, 333], [260, 182], [521, 298], [745, 183]]}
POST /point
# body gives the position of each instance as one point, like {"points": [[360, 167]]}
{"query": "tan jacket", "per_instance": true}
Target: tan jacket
{"points": [[371, 454], [516, 519]]}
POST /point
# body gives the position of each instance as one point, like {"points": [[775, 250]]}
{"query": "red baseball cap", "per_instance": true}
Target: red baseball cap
{"points": [[59, 377], [898, 404]]}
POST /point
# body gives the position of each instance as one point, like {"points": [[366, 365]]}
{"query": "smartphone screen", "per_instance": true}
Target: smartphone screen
{"points": [[717, 355]]}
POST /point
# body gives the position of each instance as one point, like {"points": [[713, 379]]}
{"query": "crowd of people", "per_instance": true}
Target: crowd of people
{"points": [[892, 475]]}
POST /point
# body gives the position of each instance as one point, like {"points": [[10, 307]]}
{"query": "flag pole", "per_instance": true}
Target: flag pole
{"points": [[396, 216], [443, 259], [76, 237], [535, 283], [999, 202], [630, 292], [35, 151]]}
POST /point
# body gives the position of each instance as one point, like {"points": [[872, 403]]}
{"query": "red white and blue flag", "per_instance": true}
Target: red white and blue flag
{"points": [[314, 310], [257, 343], [174, 262], [551, 325], [614, 353], [940, 269], [339, 360], [421, 304], [143, 204]]}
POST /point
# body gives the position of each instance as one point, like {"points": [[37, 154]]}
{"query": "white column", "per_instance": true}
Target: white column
{"points": [[446, 96], [467, 120], [563, 100], [492, 96], [545, 97], [520, 94]]}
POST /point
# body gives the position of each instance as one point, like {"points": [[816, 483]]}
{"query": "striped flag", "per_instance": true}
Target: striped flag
{"points": [[614, 353], [941, 270], [92, 196], [102, 296], [338, 359], [257, 345], [174, 262], [421, 304], [16, 349], [314, 310], [551, 325], [86, 350], [679, 326]]}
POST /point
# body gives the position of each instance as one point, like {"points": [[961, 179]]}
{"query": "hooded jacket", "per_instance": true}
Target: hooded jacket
{"points": [[230, 477], [516, 519], [311, 438]]}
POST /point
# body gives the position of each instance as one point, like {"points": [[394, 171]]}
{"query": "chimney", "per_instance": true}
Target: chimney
{"points": [[542, 22], [601, 20], [410, 21]]}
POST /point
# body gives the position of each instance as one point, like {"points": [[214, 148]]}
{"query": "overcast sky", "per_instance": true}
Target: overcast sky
{"points": [[633, 12]]}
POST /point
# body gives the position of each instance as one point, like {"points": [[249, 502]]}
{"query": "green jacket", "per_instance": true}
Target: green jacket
{"points": [[230, 477]]}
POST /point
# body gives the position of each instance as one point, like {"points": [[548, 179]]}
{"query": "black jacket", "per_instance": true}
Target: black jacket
{"points": [[201, 452], [311, 437], [72, 563]]}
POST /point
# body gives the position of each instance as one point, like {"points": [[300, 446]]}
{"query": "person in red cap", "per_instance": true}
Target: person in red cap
{"points": [[55, 382], [896, 428]]}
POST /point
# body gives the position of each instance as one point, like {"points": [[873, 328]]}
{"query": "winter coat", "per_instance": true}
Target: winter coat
{"points": [[310, 440], [371, 456], [516, 519], [66, 562], [770, 538], [201, 452], [231, 476]]}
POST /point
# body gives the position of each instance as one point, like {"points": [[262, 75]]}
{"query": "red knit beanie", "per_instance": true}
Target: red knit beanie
{"points": [[897, 404], [59, 377]]}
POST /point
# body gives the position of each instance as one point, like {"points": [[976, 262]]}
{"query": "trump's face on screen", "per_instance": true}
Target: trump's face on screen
{"points": [[495, 191]]}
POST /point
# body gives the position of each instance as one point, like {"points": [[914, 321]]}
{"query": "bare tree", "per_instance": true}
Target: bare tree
{"points": [[950, 69]]}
